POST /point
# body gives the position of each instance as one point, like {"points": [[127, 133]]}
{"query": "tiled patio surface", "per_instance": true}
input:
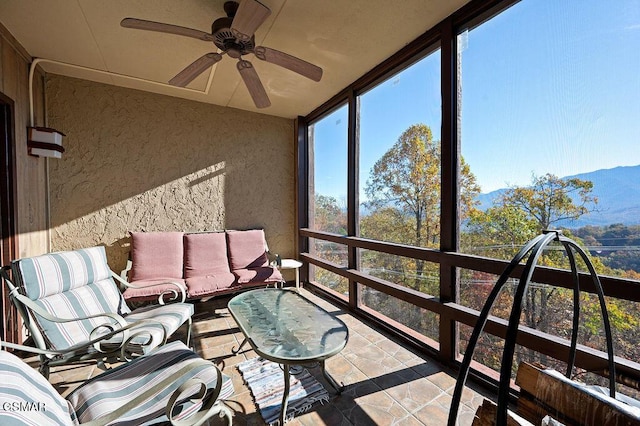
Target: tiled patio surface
{"points": [[385, 383]]}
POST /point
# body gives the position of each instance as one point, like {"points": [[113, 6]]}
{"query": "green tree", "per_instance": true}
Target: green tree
{"points": [[407, 179], [548, 201], [499, 231], [519, 215], [328, 216], [551, 199], [403, 192]]}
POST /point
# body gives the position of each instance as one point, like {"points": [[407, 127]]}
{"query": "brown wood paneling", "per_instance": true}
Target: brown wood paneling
{"points": [[7, 37], [28, 180], [2, 43], [8, 250]]}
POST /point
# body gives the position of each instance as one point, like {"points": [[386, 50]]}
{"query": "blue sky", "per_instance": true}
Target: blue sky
{"points": [[547, 87]]}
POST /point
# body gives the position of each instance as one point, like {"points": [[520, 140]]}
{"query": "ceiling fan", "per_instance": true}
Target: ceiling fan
{"points": [[234, 36]]}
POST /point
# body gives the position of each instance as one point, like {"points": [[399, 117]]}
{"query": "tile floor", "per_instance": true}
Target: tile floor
{"points": [[385, 383]]}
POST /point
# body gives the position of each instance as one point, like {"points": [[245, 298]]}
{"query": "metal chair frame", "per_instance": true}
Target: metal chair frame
{"points": [[211, 406], [114, 324]]}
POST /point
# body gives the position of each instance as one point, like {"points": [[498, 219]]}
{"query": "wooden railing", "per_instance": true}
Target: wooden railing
{"points": [[586, 358]]}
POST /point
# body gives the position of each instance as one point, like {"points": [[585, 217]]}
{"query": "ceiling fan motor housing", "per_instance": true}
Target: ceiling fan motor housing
{"points": [[223, 37], [234, 36]]}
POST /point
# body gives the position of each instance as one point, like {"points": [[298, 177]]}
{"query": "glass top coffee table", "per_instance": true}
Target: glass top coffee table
{"points": [[285, 327]]}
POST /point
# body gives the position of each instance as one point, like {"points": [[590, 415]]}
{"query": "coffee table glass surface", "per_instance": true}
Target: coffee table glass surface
{"points": [[285, 327]]}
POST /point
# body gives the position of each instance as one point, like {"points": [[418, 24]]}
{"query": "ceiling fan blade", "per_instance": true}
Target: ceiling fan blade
{"points": [[253, 83], [249, 16], [194, 69], [141, 24], [289, 62]]}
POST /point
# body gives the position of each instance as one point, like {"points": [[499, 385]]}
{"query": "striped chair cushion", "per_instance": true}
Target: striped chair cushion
{"points": [[170, 316], [110, 390], [62, 335], [90, 299], [57, 273], [26, 398], [78, 284]]}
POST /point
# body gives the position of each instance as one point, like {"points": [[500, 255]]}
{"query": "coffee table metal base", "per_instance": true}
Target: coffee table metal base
{"points": [[287, 385], [288, 329], [235, 351], [287, 381]]}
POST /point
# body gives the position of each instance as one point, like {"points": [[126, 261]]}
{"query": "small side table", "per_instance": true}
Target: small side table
{"points": [[292, 264]]}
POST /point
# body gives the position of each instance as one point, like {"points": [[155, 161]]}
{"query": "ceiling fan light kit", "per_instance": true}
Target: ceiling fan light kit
{"points": [[234, 36]]}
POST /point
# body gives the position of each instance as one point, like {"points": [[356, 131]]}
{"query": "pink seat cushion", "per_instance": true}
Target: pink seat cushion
{"points": [[151, 288], [156, 254], [205, 254], [207, 285], [247, 249], [263, 274]]}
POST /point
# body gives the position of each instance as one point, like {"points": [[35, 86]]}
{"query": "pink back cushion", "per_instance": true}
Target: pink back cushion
{"points": [[263, 274], [247, 249], [156, 255], [205, 254]]}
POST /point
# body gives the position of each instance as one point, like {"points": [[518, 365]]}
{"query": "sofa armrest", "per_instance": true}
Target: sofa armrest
{"points": [[179, 294], [124, 274]]}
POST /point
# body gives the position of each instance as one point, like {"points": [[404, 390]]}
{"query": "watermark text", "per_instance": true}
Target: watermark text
{"points": [[23, 406]]}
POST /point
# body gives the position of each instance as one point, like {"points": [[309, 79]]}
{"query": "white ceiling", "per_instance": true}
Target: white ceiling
{"points": [[346, 38]]}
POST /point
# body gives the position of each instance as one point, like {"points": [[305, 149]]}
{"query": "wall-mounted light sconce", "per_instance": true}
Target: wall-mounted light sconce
{"points": [[44, 142], [41, 141]]}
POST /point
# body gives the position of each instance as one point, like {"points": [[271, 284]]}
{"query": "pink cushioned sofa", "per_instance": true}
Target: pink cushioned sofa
{"points": [[206, 263]]}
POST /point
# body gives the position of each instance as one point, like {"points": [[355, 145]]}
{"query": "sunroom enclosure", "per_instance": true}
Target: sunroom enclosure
{"points": [[480, 92], [498, 90]]}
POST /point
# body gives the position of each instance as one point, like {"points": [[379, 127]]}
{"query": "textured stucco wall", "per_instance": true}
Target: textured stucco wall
{"points": [[142, 161]]}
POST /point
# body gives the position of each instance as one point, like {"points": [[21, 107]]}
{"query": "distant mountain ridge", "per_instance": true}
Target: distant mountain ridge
{"points": [[617, 191]]}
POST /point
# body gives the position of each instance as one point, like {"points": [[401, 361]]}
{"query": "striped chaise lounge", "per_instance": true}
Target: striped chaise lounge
{"points": [[169, 384], [72, 306]]}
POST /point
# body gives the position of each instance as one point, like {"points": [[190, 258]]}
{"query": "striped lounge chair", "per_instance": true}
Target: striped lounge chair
{"points": [[73, 308], [169, 384]]}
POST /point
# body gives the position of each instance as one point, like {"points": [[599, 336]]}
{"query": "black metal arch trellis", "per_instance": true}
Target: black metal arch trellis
{"points": [[533, 249]]}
